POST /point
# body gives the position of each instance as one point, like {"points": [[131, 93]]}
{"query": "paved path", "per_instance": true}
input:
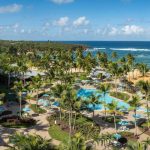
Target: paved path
{"points": [[41, 128]]}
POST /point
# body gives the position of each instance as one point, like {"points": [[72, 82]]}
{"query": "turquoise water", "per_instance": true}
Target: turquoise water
{"points": [[85, 93]]}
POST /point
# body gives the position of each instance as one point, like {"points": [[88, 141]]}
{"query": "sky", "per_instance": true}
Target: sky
{"points": [[81, 20]]}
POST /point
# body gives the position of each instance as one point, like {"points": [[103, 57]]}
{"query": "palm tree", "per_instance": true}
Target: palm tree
{"points": [[77, 142], [136, 146], [57, 92], [114, 55], [104, 89], [143, 68], [105, 139], [135, 104], [19, 87], [113, 110], [30, 142], [77, 106], [93, 100], [69, 97], [146, 142], [37, 83], [116, 71], [22, 67], [130, 62], [145, 88]]}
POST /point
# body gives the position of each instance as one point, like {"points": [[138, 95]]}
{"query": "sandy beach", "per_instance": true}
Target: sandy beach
{"points": [[137, 76]]}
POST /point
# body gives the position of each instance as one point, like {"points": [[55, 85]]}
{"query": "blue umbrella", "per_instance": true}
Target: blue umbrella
{"points": [[2, 108], [46, 95], [26, 109], [46, 103], [40, 100], [56, 104], [117, 136], [123, 123], [137, 116]]}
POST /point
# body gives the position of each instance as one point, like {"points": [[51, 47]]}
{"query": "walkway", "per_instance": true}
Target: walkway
{"points": [[41, 128]]}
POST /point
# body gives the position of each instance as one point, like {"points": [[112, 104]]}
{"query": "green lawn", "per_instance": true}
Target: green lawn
{"points": [[37, 109], [120, 95], [57, 133]]}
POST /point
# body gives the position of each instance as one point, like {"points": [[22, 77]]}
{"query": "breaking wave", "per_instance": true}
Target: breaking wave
{"points": [[129, 49]]}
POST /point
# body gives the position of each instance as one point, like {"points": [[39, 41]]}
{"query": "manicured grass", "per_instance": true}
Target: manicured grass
{"points": [[120, 95], [37, 109], [57, 133]]}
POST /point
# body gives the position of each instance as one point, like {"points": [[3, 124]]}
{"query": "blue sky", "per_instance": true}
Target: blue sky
{"points": [[75, 19]]}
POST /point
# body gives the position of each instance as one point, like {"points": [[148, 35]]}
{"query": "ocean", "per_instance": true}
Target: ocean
{"points": [[140, 49]]}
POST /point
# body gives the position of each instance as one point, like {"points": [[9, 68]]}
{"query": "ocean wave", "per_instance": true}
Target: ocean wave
{"points": [[98, 48], [95, 49], [129, 49], [143, 56]]}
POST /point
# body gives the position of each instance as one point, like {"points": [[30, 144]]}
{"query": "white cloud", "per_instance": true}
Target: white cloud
{"points": [[132, 29], [113, 31], [10, 8], [22, 30], [62, 1], [81, 21], [120, 30], [63, 21], [13, 27]]}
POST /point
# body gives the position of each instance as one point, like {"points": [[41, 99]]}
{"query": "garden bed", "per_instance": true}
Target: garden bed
{"points": [[17, 122], [82, 125], [110, 119]]}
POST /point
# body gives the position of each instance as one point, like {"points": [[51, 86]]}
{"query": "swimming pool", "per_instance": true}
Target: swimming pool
{"points": [[85, 93]]}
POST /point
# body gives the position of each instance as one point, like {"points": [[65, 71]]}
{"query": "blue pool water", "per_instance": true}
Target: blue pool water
{"points": [[85, 93]]}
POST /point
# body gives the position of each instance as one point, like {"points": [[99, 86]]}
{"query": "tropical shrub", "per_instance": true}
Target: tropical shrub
{"points": [[110, 119], [30, 142], [17, 122]]}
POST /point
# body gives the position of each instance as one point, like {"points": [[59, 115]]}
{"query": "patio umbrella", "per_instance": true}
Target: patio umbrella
{"points": [[123, 123], [46, 103], [2, 108], [26, 109], [46, 95], [137, 116], [56, 104], [117, 136], [40, 100]]}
